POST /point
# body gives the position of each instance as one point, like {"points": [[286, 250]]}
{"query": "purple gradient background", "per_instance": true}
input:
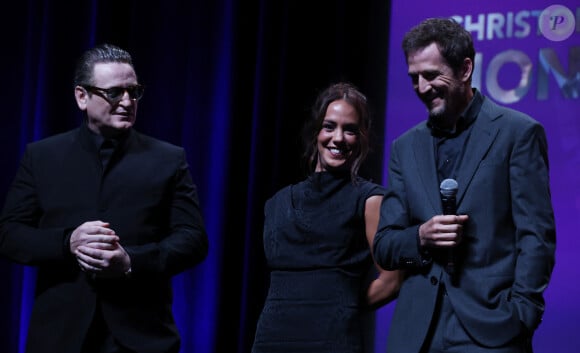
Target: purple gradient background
{"points": [[559, 331]]}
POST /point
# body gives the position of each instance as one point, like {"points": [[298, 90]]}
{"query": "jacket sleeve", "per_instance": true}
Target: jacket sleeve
{"points": [[21, 240], [396, 243], [186, 243], [534, 221]]}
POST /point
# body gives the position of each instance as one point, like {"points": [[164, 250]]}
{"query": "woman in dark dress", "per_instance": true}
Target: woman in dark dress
{"points": [[317, 239]]}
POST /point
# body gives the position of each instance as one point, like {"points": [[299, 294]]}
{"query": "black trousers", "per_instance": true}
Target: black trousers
{"points": [[100, 340]]}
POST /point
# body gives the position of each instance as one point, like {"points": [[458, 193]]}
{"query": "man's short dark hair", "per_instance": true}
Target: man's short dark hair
{"points": [[104, 53], [454, 42]]}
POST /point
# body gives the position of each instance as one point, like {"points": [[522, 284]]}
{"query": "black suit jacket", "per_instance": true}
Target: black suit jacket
{"points": [[507, 255], [146, 194]]}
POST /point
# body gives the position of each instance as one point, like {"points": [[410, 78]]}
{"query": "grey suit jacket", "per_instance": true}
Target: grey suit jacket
{"points": [[507, 254], [146, 194]]}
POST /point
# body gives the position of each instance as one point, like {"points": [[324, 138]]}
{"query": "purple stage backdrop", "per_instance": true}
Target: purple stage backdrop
{"points": [[528, 58]]}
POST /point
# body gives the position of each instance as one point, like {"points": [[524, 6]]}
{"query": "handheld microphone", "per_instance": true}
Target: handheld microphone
{"points": [[448, 189]]}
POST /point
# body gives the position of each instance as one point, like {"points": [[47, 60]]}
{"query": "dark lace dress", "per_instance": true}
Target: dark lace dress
{"points": [[316, 248]]}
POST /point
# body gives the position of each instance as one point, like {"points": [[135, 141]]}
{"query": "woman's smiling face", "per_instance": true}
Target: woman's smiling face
{"points": [[338, 138]]}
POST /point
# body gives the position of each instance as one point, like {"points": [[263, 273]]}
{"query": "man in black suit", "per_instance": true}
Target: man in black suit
{"points": [[501, 240], [107, 215]]}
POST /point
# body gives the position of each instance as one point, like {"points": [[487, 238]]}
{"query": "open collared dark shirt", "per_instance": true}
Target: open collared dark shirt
{"points": [[106, 146], [449, 143]]}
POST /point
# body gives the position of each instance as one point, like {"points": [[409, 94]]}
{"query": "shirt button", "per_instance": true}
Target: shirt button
{"points": [[434, 280]]}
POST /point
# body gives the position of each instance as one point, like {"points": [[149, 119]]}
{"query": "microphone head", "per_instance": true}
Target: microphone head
{"points": [[448, 187]]}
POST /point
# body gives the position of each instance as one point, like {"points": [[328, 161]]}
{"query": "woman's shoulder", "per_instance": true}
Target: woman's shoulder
{"points": [[369, 188]]}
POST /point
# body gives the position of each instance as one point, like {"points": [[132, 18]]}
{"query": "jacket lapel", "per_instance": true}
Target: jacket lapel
{"points": [[425, 159], [482, 136]]}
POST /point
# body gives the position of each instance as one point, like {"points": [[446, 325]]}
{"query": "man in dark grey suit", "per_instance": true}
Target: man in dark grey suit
{"points": [[107, 215], [500, 240]]}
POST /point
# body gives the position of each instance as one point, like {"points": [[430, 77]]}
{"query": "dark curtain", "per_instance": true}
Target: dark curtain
{"points": [[231, 81]]}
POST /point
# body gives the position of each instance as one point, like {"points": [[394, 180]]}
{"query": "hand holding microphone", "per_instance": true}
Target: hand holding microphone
{"points": [[445, 231]]}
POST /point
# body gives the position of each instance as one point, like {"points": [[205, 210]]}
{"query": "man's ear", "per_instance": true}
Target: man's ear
{"points": [[81, 96], [466, 69]]}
